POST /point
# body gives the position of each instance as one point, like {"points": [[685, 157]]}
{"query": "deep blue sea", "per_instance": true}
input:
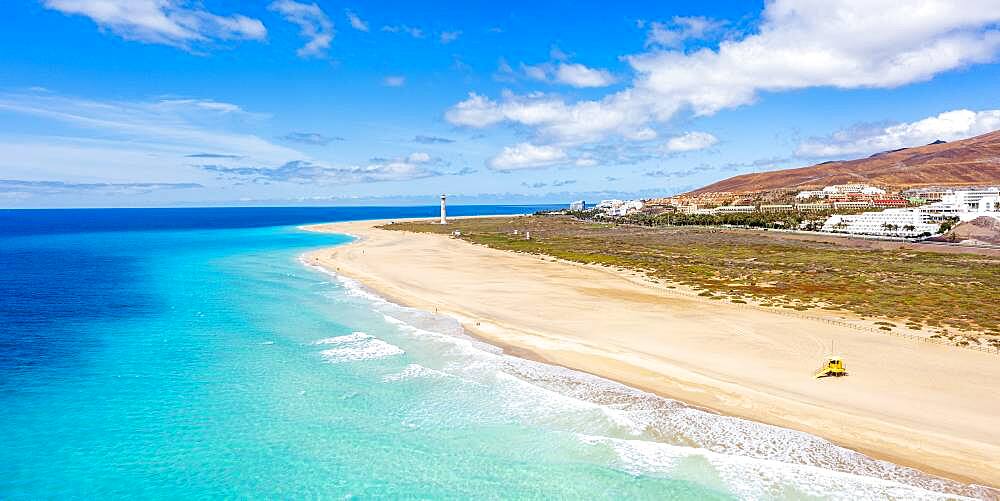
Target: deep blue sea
{"points": [[189, 354]]}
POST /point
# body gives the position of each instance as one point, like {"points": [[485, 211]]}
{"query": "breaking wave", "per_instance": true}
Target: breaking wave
{"points": [[357, 346]]}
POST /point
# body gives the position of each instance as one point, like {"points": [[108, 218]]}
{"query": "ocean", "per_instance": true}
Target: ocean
{"points": [[190, 354]]}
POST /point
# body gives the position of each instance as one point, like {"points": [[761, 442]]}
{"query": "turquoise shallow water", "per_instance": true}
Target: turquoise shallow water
{"points": [[211, 363]]}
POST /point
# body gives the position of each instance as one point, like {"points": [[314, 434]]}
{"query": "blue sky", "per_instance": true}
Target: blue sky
{"points": [[171, 102]]}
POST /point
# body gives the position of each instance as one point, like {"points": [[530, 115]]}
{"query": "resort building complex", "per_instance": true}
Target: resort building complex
{"points": [[968, 204], [963, 205], [620, 207], [845, 207], [890, 223]]}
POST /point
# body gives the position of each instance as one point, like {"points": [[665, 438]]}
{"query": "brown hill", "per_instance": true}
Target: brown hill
{"points": [[973, 161], [982, 230]]}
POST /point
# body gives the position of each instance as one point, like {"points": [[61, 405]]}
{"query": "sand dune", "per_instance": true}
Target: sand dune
{"points": [[925, 405]]}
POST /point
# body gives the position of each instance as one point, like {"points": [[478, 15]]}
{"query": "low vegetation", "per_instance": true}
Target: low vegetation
{"points": [[955, 295], [812, 220]]}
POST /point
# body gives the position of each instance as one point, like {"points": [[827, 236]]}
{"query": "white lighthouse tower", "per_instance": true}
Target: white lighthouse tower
{"points": [[444, 216]]}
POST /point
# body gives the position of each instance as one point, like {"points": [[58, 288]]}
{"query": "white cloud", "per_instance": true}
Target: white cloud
{"points": [[799, 44], [557, 121], [476, 111], [171, 143], [673, 34], [660, 35], [413, 32], [206, 104], [394, 170], [504, 72], [691, 141], [538, 72], [313, 24], [394, 81], [579, 75], [114, 137], [644, 134], [168, 22], [76, 159], [504, 67], [829, 43], [450, 36], [318, 173], [947, 126], [356, 22], [527, 156], [85, 151], [557, 54], [419, 157], [573, 74]]}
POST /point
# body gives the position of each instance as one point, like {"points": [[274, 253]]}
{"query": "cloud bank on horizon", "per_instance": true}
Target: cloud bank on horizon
{"points": [[947, 126], [274, 102]]}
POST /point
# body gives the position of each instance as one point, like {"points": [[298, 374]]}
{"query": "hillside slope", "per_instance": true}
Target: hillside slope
{"points": [[982, 230], [973, 161]]}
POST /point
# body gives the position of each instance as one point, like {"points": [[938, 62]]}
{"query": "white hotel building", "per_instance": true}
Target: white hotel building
{"points": [[803, 195], [887, 223], [619, 207], [735, 209], [967, 205], [841, 189]]}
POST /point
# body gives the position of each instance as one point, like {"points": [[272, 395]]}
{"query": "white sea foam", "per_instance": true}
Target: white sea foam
{"points": [[349, 338], [444, 330], [752, 478], [354, 288], [654, 434], [357, 346], [373, 349], [669, 422], [413, 371]]}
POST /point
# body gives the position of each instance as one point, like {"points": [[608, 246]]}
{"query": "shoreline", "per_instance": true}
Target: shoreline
{"points": [[405, 268]]}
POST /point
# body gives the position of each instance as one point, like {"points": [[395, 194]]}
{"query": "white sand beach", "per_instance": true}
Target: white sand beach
{"points": [[930, 406]]}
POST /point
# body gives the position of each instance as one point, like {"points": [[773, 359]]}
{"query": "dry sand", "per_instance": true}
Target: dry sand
{"points": [[930, 406]]}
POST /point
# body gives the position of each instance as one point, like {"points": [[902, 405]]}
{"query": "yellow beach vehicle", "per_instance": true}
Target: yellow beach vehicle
{"points": [[834, 367]]}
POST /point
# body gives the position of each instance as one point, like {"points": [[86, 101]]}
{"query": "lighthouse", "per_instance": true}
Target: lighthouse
{"points": [[444, 216]]}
